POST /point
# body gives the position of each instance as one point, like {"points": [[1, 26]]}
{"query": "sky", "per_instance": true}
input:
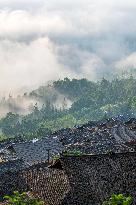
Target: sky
{"points": [[44, 40]]}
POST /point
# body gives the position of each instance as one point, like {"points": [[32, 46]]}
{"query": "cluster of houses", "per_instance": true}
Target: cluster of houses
{"points": [[105, 163]]}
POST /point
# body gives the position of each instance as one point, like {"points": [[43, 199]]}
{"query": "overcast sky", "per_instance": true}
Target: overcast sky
{"points": [[42, 40]]}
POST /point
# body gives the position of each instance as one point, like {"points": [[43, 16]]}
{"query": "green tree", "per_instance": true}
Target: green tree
{"points": [[22, 199], [119, 199]]}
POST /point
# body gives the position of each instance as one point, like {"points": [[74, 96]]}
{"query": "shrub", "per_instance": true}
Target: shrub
{"points": [[22, 199], [56, 157], [119, 199]]}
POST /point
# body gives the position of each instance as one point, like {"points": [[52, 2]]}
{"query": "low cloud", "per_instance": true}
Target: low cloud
{"points": [[44, 40], [29, 65], [127, 65]]}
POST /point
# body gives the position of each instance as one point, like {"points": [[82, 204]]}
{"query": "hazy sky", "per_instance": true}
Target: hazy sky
{"points": [[43, 40]]}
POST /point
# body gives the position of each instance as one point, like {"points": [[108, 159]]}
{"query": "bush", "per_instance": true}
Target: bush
{"points": [[22, 199], [119, 199]]}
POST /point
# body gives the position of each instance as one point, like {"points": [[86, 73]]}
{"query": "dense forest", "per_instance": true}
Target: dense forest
{"points": [[67, 103]]}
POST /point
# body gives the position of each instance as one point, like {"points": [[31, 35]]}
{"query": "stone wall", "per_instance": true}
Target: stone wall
{"points": [[94, 178]]}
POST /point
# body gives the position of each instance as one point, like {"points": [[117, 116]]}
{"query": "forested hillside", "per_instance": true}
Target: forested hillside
{"points": [[66, 103]]}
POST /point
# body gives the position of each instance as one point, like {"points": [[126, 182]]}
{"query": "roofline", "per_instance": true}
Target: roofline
{"points": [[97, 155]]}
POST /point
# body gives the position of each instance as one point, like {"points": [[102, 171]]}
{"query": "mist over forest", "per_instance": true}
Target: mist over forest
{"points": [[67, 103]]}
